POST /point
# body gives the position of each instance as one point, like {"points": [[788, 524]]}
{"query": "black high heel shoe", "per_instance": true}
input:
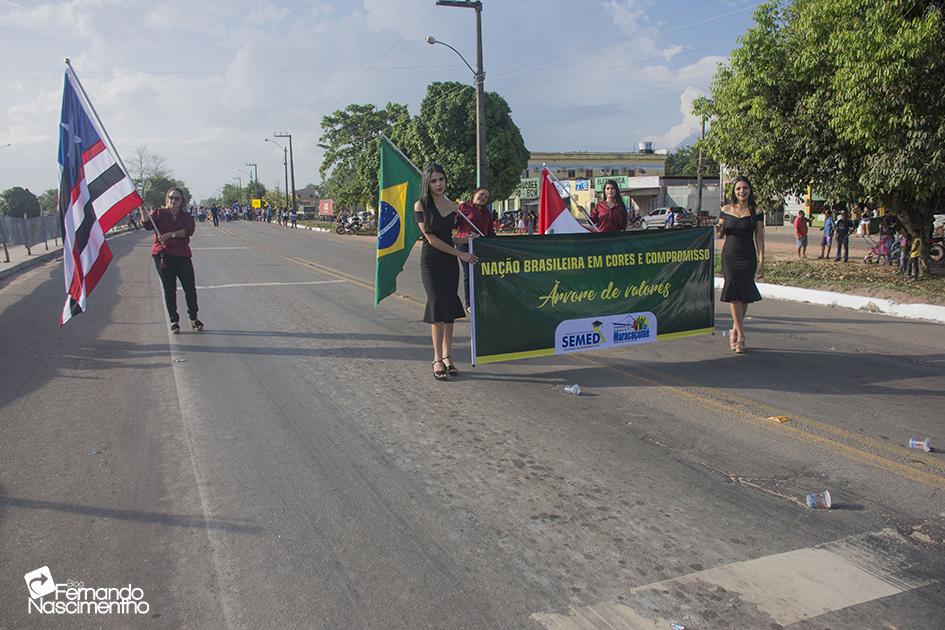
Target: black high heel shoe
{"points": [[440, 375], [450, 368]]}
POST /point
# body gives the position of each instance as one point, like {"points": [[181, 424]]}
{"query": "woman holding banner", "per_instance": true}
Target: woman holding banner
{"points": [[473, 220], [610, 213], [438, 267], [743, 256]]}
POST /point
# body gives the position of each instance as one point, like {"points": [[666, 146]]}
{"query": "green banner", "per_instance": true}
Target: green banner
{"points": [[543, 295]]}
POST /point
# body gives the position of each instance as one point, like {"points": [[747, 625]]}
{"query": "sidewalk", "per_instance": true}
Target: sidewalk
{"points": [[20, 261]]}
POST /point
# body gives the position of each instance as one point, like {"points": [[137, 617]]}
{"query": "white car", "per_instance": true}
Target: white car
{"points": [[657, 218]]}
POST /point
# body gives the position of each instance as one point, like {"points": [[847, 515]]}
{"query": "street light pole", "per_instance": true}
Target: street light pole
{"points": [[239, 193], [480, 86], [285, 134], [699, 170], [285, 165]]}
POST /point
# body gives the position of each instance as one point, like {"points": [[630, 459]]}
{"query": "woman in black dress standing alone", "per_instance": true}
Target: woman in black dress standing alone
{"points": [[439, 269], [743, 256]]}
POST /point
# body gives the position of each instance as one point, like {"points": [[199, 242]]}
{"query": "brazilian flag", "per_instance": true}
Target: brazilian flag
{"points": [[397, 229]]}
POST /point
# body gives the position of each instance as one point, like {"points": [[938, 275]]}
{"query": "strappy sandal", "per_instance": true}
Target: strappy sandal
{"points": [[450, 368], [740, 346], [440, 375], [732, 339], [175, 328]]}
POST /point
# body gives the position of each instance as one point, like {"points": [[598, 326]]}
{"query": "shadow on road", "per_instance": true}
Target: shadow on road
{"points": [[157, 518]]}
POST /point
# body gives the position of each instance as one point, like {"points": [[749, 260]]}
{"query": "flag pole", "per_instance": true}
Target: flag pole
{"points": [[101, 126]]}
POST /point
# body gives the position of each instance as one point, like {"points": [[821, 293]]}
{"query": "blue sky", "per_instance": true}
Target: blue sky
{"points": [[202, 82]]}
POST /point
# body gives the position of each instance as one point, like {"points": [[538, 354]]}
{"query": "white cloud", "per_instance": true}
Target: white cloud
{"points": [[689, 124]]}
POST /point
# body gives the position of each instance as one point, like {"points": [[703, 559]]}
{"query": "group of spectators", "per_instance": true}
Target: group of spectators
{"points": [[894, 242]]}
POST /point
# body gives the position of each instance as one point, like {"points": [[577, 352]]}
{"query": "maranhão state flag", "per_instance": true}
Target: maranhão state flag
{"points": [[554, 208], [95, 193]]}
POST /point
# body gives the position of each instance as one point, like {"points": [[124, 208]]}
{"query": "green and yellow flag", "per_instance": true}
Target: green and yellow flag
{"points": [[397, 229]]}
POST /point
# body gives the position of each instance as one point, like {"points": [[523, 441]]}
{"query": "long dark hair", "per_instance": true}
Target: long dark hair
{"points": [[426, 197], [751, 196], [613, 182]]}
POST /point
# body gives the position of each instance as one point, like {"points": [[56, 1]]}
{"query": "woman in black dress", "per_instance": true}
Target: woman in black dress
{"points": [[439, 269], [743, 256]]}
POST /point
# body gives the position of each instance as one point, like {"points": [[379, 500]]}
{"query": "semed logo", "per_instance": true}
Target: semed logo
{"points": [[605, 331]]}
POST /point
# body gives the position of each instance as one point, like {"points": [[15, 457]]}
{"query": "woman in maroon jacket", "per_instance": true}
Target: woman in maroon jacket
{"points": [[478, 214], [172, 255], [610, 213]]}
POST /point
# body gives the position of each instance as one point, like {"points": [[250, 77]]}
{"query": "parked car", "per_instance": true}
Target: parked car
{"points": [[656, 220]]}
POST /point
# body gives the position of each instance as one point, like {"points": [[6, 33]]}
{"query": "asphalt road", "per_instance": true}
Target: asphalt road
{"points": [[296, 465]]}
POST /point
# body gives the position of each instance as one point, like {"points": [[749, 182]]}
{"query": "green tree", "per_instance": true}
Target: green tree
{"points": [[16, 202], [684, 161], [254, 190], [848, 95], [154, 190], [275, 198], [231, 194], [49, 201], [350, 138], [445, 132]]}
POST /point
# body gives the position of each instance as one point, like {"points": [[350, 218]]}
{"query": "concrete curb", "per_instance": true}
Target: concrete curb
{"points": [[856, 302]]}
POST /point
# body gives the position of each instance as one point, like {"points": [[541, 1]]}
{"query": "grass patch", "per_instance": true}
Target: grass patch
{"points": [[854, 278]]}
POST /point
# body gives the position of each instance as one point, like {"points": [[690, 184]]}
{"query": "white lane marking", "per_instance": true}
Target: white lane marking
{"points": [[789, 587], [200, 249], [264, 284], [189, 413]]}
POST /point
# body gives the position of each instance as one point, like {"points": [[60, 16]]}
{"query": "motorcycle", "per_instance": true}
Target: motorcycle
{"points": [[351, 225], [937, 249]]}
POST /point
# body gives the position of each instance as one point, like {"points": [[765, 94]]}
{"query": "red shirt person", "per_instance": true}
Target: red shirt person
{"points": [[172, 255], [610, 213], [479, 215]]}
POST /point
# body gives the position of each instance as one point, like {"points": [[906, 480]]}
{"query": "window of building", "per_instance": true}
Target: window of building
{"points": [[572, 173]]}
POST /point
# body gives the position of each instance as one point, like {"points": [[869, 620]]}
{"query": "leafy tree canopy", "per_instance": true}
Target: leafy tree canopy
{"points": [[684, 161], [847, 95], [255, 190], [350, 138], [49, 201], [445, 132], [16, 202]]}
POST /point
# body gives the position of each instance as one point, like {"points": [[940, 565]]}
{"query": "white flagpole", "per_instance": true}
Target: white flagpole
{"points": [[473, 225], [472, 309], [101, 127]]}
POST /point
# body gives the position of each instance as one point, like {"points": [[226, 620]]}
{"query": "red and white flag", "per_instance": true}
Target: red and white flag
{"points": [[95, 193], [554, 208]]}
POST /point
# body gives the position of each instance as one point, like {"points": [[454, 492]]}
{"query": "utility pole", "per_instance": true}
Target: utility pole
{"points": [[239, 183], [285, 134], [699, 170], [255, 171], [285, 165], [480, 88]]}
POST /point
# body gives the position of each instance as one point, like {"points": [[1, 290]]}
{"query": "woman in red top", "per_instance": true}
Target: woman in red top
{"points": [[610, 213], [172, 255], [478, 214]]}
